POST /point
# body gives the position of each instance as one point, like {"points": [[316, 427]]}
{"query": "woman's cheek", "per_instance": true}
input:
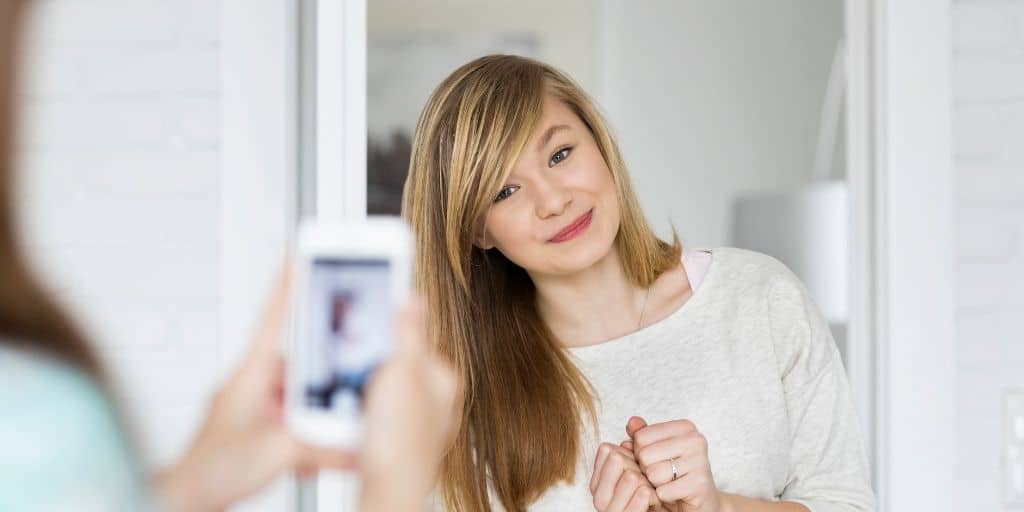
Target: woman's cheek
{"points": [[519, 233], [506, 227]]}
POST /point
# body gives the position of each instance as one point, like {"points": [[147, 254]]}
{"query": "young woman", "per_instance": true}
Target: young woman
{"points": [[571, 323], [63, 447]]}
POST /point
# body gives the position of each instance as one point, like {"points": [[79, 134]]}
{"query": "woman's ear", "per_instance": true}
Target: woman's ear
{"points": [[482, 242], [481, 239]]}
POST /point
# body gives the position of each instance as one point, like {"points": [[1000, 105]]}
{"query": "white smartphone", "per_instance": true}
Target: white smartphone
{"points": [[350, 279]]}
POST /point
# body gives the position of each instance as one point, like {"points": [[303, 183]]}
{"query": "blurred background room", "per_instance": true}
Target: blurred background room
{"points": [[874, 146]]}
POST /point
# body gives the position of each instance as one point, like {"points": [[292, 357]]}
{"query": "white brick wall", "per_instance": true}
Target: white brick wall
{"points": [[988, 132], [121, 194]]}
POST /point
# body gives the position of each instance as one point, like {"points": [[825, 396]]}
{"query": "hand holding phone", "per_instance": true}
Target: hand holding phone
{"points": [[244, 443], [413, 410]]}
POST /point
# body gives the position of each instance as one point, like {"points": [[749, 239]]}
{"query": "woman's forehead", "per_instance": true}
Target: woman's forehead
{"points": [[556, 116], [554, 110]]}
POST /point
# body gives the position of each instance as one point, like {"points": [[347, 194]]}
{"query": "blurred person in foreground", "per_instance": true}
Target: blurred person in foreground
{"points": [[63, 445]]}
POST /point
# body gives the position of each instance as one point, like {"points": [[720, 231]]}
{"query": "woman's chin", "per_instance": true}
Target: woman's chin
{"points": [[569, 259]]}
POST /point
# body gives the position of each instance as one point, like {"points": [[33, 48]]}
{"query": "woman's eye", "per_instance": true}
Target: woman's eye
{"points": [[506, 192], [558, 157]]}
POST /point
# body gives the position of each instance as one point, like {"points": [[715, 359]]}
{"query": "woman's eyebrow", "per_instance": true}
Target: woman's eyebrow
{"points": [[550, 132]]}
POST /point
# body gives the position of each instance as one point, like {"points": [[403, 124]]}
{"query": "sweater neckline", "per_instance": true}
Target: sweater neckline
{"points": [[697, 297]]}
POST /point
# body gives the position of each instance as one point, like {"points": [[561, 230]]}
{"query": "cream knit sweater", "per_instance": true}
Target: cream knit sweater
{"points": [[750, 360]]}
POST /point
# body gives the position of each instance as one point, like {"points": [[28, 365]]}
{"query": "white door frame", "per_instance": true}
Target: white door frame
{"points": [[900, 171], [341, 109], [340, 162]]}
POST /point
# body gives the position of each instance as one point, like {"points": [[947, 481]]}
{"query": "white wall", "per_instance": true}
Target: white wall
{"points": [[121, 191], [708, 99], [430, 39], [711, 99], [565, 30], [988, 131], [258, 174]]}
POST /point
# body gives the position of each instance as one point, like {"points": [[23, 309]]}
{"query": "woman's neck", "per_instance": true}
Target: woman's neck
{"points": [[591, 306]]}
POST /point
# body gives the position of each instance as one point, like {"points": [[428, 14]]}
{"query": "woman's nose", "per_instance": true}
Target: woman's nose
{"points": [[552, 198]]}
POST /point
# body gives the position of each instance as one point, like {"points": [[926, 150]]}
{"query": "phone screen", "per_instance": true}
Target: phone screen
{"points": [[344, 331]]}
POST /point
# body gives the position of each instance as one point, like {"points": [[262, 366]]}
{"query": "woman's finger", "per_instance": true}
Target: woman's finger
{"points": [[692, 488], [625, 488], [411, 323], [692, 445], [654, 433], [643, 500], [258, 365], [634, 424], [661, 473], [613, 468], [272, 323], [309, 457], [603, 451]]}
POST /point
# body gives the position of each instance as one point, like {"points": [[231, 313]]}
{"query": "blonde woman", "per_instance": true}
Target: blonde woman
{"points": [[604, 368]]}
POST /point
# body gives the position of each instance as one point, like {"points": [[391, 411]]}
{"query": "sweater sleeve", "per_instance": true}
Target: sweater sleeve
{"points": [[828, 469]]}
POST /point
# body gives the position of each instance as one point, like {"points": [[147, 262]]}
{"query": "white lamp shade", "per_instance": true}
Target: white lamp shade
{"points": [[808, 230]]}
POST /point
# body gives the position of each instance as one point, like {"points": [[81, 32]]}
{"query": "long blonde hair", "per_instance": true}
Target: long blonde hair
{"points": [[525, 399]]}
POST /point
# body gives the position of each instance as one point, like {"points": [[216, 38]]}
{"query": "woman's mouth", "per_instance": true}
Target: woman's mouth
{"points": [[574, 229]]}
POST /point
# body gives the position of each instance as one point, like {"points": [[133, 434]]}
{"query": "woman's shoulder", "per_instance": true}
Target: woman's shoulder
{"points": [[747, 268], [48, 405], [800, 334], [61, 439], [760, 277], [39, 385]]}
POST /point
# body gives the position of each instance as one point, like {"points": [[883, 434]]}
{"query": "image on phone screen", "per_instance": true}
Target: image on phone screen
{"points": [[345, 333]]}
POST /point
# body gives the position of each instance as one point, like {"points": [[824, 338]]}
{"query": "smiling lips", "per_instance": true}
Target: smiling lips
{"points": [[576, 228]]}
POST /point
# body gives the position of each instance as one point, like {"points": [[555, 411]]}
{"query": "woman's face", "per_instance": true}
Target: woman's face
{"points": [[558, 213]]}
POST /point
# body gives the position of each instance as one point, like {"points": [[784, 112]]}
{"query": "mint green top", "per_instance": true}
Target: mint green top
{"points": [[61, 445]]}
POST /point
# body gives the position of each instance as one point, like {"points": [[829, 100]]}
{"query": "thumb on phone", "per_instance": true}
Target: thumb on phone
{"points": [[411, 329]]}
